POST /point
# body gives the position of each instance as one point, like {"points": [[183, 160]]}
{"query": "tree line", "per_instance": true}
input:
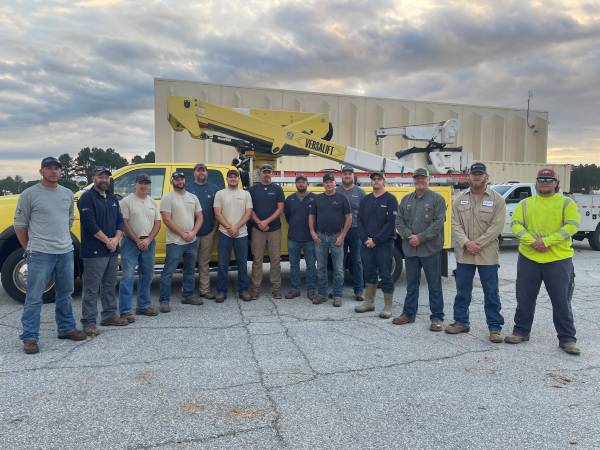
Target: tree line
{"points": [[82, 164], [585, 178]]}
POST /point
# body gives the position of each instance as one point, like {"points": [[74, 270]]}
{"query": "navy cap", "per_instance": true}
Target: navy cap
{"points": [[51, 161], [420, 173], [143, 178], [328, 177], [376, 174], [301, 177], [101, 170], [200, 166], [265, 167], [478, 167], [347, 169], [177, 175]]}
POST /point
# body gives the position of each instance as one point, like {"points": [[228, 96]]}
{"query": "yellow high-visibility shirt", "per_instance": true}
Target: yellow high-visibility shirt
{"points": [[555, 219]]}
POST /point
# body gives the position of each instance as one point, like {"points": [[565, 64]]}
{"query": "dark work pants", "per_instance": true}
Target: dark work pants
{"points": [[559, 279]]}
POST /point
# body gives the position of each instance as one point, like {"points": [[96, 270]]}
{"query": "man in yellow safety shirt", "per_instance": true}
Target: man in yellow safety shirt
{"points": [[544, 225]]}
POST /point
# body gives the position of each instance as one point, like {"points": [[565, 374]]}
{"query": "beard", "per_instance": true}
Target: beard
{"points": [[302, 190]]}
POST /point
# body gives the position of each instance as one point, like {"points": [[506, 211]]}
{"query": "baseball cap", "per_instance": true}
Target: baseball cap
{"points": [[301, 176], [265, 167], [143, 178], [233, 172], [200, 166], [478, 167], [328, 177], [51, 161], [420, 173], [376, 174], [100, 170], [547, 172], [347, 169], [177, 175]]}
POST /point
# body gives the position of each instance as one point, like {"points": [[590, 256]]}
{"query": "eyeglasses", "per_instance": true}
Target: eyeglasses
{"points": [[545, 180]]}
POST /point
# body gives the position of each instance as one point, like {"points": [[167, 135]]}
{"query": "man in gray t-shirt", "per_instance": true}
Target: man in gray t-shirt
{"points": [[42, 224], [352, 243]]}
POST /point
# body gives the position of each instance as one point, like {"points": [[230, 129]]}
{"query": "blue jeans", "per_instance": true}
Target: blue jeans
{"points": [[40, 268], [352, 243], [174, 254], [294, 248], [377, 263], [132, 256], [464, 287], [432, 266], [337, 257], [240, 247]]}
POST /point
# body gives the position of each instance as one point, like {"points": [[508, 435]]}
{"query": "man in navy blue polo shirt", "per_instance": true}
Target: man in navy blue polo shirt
{"points": [[297, 207], [267, 201], [101, 230], [205, 192], [329, 221]]}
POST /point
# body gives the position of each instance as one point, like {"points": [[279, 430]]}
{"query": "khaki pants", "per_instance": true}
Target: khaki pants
{"points": [[259, 239], [204, 250]]}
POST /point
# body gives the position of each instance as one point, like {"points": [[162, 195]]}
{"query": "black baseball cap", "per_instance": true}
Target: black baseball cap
{"points": [[101, 170], [421, 172], [200, 166], [177, 175], [143, 178], [233, 172], [328, 177], [478, 167], [265, 167], [376, 174], [347, 169], [51, 161], [301, 176]]}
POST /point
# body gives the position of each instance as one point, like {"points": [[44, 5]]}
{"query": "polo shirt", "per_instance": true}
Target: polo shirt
{"points": [[183, 208], [265, 199], [354, 195], [296, 213], [206, 196], [330, 212], [98, 213]]}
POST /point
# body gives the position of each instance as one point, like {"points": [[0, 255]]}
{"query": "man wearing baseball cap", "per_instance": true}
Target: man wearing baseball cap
{"points": [[42, 223], [544, 225], [420, 223], [297, 207], [478, 216], [329, 220], [352, 243]]}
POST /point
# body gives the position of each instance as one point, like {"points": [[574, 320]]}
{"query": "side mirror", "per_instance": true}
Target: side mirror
{"points": [[80, 181]]}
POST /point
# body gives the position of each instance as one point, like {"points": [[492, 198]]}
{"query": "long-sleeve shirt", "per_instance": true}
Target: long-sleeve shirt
{"points": [[478, 218], [377, 218], [354, 195], [553, 219], [98, 213], [423, 216]]}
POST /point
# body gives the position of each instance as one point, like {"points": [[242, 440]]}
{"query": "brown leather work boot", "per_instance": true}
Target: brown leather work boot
{"points": [[276, 295], [456, 328], [245, 296], [129, 317], [496, 337], [436, 325], [31, 347], [311, 295], [337, 302], [208, 295], [164, 307], [292, 293], [74, 335], [115, 321], [515, 339], [192, 301], [146, 312], [220, 298], [403, 319], [570, 348], [91, 330]]}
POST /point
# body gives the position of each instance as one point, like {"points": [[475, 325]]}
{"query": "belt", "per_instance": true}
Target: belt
{"points": [[142, 237], [328, 233]]}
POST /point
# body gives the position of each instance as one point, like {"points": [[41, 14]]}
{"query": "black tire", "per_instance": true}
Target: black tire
{"points": [[594, 239], [13, 283], [398, 265]]}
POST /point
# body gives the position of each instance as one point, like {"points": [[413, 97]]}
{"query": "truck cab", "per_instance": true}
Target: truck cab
{"points": [[512, 192]]}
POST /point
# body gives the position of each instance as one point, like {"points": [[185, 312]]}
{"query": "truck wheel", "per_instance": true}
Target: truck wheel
{"points": [[594, 239], [397, 264], [14, 278]]}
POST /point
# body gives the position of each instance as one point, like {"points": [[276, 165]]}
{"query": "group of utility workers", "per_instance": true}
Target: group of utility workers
{"points": [[341, 219]]}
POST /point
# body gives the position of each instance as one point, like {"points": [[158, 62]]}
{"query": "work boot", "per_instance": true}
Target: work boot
{"points": [[456, 328], [253, 294], [569, 347], [318, 299], [245, 296], [129, 317], [74, 335], [146, 312], [91, 330], [276, 295], [114, 321], [164, 307], [358, 296], [403, 319], [388, 298], [292, 293], [311, 295], [369, 300], [436, 325], [208, 295], [337, 301], [220, 297], [496, 337], [515, 339], [31, 347], [192, 301]]}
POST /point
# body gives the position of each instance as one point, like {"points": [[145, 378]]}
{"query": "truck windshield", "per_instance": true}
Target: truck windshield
{"points": [[500, 189]]}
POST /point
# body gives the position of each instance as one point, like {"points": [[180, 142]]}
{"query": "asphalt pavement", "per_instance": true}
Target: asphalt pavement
{"points": [[289, 374]]}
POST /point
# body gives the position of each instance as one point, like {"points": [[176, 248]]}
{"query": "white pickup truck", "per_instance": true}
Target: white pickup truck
{"points": [[588, 204]]}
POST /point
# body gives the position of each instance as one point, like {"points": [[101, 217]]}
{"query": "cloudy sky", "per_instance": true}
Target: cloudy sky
{"points": [[80, 73]]}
